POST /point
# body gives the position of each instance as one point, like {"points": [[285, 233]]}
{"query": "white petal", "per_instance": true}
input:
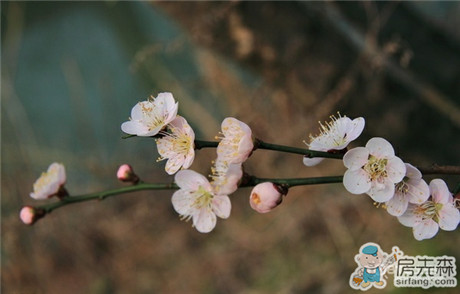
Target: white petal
{"points": [[425, 230], [396, 169], [356, 181], [382, 192], [380, 148], [182, 202], [191, 180], [133, 127], [179, 122], [174, 164], [439, 191], [204, 220], [418, 191], [312, 161], [136, 111], [356, 127], [412, 172], [221, 206], [356, 158], [449, 217], [189, 159], [397, 205], [409, 218]]}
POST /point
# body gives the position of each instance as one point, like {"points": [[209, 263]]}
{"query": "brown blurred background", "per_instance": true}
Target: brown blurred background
{"points": [[71, 71]]}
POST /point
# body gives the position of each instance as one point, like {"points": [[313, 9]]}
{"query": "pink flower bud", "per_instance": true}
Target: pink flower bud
{"points": [[29, 215], [126, 173], [266, 196]]}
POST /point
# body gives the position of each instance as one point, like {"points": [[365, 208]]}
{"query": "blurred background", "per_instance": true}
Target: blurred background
{"points": [[71, 72]]}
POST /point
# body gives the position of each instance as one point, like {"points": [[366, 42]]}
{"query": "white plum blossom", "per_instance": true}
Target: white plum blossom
{"points": [[50, 182], [236, 144], [412, 189], [438, 212], [197, 200], [149, 117], [334, 135], [373, 170], [177, 145], [225, 177], [266, 196]]}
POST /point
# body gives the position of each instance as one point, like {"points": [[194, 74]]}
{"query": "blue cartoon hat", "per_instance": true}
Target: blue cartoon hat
{"points": [[370, 249]]}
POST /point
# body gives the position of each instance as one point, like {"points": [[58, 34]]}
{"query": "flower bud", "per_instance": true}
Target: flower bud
{"points": [[126, 173], [29, 215], [266, 196]]}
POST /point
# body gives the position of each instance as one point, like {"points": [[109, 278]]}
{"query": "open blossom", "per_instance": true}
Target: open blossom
{"points": [[236, 144], [197, 200], [373, 170], [149, 117], [412, 189], [438, 212], [266, 196], [335, 135], [50, 182], [177, 145], [225, 177]]}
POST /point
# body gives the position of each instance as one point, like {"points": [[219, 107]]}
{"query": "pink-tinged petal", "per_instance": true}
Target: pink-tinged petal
{"points": [[356, 181], [221, 206], [189, 159], [182, 202], [439, 191], [409, 218], [190, 180], [174, 164], [380, 148], [425, 230], [179, 122], [382, 192], [397, 205], [449, 217], [412, 172], [356, 127], [204, 220], [245, 148], [166, 104], [133, 127], [396, 169], [356, 158], [312, 161], [418, 191]]}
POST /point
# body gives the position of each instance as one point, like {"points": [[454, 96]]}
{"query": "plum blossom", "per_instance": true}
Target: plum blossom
{"points": [[50, 183], [438, 212], [334, 135], [125, 173], [149, 117], [177, 145], [373, 170], [225, 177], [29, 215], [197, 200], [412, 189], [266, 196], [236, 144]]}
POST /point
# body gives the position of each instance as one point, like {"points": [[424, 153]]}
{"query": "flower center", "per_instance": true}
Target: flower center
{"points": [[402, 187], [203, 198], [376, 167], [429, 210], [45, 179], [255, 198], [152, 117]]}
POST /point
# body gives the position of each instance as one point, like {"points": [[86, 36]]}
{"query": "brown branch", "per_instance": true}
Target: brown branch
{"points": [[440, 170]]}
